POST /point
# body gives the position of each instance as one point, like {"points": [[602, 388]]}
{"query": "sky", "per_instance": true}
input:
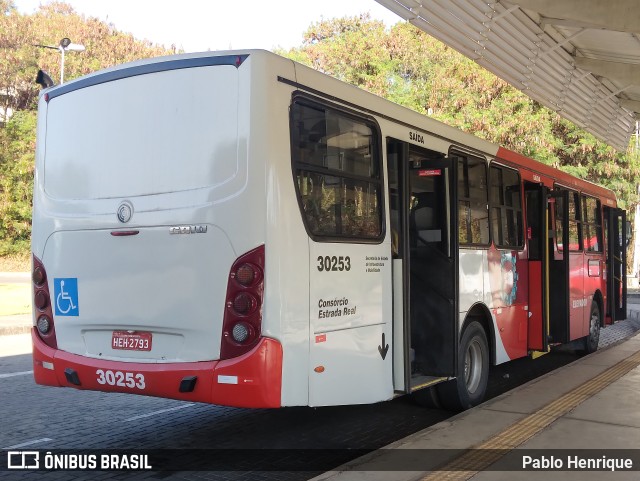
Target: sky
{"points": [[199, 25]]}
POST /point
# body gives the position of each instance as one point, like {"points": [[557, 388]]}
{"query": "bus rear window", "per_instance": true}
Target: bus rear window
{"points": [[137, 136]]}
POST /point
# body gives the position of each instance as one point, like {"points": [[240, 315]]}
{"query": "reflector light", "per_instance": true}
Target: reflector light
{"points": [[44, 325], [41, 300], [245, 274], [39, 276], [240, 332], [244, 303]]}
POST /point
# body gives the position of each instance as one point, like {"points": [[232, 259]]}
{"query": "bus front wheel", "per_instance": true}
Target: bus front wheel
{"points": [[470, 387]]}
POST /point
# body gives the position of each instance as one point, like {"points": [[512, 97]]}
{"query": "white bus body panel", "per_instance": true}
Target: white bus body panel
{"points": [[167, 143], [267, 137], [147, 284], [149, 134], [349, 350], [474, 288], [350, 317]]}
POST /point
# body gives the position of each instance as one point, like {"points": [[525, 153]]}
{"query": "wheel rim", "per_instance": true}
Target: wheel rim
{"points": [[473, 365]]}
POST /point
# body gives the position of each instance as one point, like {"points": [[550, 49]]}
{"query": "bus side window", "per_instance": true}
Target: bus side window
{"points": [[592, 224], [473, 217], [534, 228], [336, 163], [559, 201], [506, 207]]}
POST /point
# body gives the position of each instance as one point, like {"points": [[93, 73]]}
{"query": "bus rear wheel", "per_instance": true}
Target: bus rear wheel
{"points": [[470, 387], [592, 339]]}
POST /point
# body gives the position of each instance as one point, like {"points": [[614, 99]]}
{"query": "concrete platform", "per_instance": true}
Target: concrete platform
{"points": [[592, 404]]}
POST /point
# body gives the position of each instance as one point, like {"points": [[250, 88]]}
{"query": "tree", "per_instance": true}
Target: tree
{"points": [[17, 145], [16, 61], [20, 60], [413, 69], [20, 57]]}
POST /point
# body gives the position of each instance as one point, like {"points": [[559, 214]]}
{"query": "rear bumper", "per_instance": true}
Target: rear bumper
{"points": [[252, 380]]}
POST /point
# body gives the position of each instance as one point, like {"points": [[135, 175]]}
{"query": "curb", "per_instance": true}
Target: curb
{"points": [[634, 315], [21, 276], [15, 324], [12, 330]]}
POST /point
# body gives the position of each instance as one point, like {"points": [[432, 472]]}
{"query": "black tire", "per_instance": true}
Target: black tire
{"points": [[427, 398], [592, 339], [470, 387]]}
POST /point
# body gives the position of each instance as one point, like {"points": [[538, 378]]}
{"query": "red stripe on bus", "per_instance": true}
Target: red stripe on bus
{"points": [[520, 161], [259, 373]]}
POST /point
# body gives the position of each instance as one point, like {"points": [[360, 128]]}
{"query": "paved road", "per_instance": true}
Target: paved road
{"points": [[40, 417]]}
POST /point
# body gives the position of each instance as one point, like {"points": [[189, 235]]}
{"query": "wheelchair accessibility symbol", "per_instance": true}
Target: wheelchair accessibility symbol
{"points": [[66, 294]]}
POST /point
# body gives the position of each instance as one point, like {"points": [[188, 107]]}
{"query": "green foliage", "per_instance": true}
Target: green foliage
{"points": [[413, 69], [17, 145], [22, 38], [402, 64]]}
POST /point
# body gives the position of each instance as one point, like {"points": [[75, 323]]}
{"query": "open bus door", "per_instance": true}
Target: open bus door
{"points": [[557, 293], [536, 196], [616, 263], [423, 218]]}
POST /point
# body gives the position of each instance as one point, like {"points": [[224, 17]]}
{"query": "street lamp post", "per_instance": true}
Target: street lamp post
{"points": [[64, 45]]}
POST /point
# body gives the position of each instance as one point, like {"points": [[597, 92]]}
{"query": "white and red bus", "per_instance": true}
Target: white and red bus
{"points": [[238, 229]]}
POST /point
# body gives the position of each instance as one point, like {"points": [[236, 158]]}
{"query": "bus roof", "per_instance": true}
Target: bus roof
{"points": [[379, 106], [567, 180]]}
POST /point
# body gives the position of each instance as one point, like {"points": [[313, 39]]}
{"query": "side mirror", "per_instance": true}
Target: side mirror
{"points": [[628, 233]]}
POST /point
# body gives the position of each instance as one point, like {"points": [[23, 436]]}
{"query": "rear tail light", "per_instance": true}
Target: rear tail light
{"points": [[245, 274], [244, 304], [39, 276], [41, 300], [242, 324], [42, 304]]}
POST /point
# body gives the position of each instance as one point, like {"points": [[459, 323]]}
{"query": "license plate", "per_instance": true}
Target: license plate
{"points": [[131, 340]]}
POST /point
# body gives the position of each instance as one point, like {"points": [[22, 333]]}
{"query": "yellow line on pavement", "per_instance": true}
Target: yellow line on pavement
{"points": [[481, 456]]}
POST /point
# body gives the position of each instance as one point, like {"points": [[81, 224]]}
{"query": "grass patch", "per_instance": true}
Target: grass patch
{"points": [[15, 263], [15, 299]]}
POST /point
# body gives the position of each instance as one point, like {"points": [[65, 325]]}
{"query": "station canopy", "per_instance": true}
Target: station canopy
{"points": [[580, 58]]}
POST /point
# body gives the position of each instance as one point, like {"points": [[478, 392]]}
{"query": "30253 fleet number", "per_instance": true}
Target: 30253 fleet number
{"points": [[334, 263], [121, 379]]}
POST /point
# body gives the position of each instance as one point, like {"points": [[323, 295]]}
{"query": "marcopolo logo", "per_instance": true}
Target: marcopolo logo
{"points": [[23, 460], [125, 212]]}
